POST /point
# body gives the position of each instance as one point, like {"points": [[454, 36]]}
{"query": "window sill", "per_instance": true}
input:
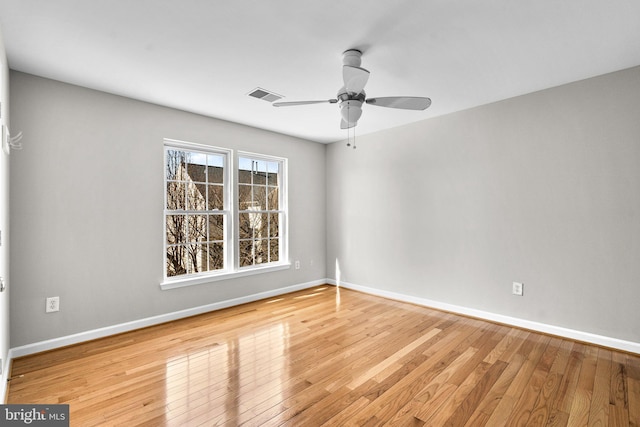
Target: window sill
{"points": [[208, 278]]}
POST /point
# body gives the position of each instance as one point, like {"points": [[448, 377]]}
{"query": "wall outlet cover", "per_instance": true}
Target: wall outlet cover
{"points": [[517, 288], [53, 304]]}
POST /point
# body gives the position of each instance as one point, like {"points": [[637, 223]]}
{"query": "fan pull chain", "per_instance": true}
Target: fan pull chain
{"points": [[354, 131], [348, 142], [349, 138]]}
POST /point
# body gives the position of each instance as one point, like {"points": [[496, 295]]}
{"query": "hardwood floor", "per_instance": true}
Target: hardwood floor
{"points": [[335, 357]]}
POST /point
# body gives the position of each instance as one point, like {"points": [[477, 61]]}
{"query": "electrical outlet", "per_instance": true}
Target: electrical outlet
{"points": [[517, 288], [297, 264], [53, 304]]}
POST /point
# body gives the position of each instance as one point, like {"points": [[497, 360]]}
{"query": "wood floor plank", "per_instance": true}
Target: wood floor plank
{"points": [[619, 394], [531, 351], [562, 402], [599, 410], [455, 400], [532, 394], [468, 406], [342, 417], [581, 403], [330, 356], [633, 387], [488, 405], [426, 386], [544, 409], [384, 364]]}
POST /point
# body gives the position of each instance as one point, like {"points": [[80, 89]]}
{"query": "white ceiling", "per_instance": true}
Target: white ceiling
{"points": [[204, 56]]}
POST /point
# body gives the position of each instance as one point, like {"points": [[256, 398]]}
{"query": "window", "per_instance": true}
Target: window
{"points": [[260, 210], [196, 211], [214, 229]]}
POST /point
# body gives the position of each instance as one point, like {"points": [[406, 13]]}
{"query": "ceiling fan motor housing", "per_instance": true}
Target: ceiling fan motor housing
{"points": [[352, 57]]}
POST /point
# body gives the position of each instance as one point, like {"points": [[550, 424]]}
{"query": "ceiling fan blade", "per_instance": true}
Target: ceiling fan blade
{"points": [[355, 78], [403, 102], [294, 103], [345, 125]]}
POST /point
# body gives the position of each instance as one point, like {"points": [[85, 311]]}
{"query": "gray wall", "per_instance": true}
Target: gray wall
{"points": [[542, 189], [4, 220], [87, 208]]}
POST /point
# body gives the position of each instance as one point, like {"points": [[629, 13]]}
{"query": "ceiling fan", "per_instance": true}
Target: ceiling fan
{"points": [[351, 96]]}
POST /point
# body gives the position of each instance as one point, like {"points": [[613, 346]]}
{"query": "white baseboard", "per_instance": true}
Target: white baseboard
{"points": [[614, 343], [150, 321]]}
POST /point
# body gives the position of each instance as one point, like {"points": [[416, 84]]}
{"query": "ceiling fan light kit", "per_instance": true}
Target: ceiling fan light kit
{"points": [[351, 95]]}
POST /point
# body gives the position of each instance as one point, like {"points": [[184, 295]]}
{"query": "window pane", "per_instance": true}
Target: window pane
{"points": [[196, 196], [260, 225], [273, 199], [259, 194], [245, 167], [176, 261], [175, 195], [216, 197], [216, 227], [197, 228], [259, 178], [272, 169], [273, 250], [274, 225], [196, 164], [261, 251], [216, 256], [245, 226], [244, 197], [196, 258], [215, 168], [253, 225], [176, 229], [175, 165], [215, 175], [246, 253], [260, 166]]}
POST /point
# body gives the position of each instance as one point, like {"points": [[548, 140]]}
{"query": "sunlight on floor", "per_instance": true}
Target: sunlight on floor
{"points": [[213, 381], [337, 284]]}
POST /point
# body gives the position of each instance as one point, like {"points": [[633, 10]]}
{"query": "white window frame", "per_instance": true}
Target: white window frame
{"points": [[231, 234]]}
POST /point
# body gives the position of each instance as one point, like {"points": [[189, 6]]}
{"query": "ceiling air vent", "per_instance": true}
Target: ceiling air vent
{"points": [[265, 95]]}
